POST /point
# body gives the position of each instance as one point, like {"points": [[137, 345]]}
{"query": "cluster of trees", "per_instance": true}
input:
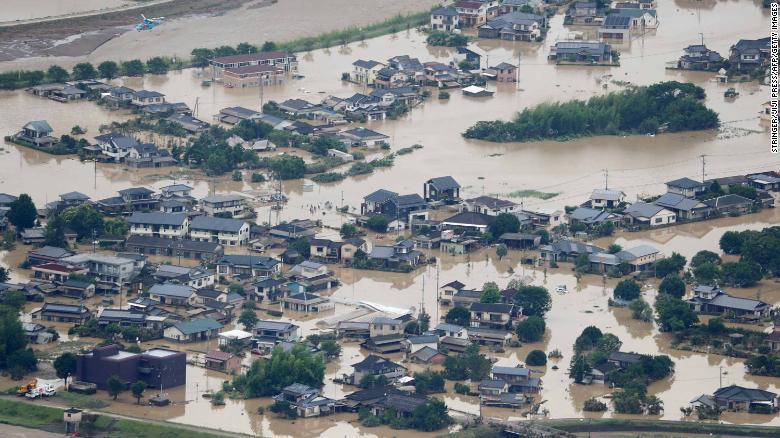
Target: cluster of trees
{"points": [[86, 222], [468, 365], [593, 348], [428, 382], [201, 56], [267, 376], [671, 105], [429, 416], [759, 253], [447, 39], [16, 358], [85, 70], [112, 331], [764, 365], [22, 212]]}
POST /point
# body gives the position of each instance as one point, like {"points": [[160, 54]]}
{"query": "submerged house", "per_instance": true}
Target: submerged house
{"points": [[306, 401], [713, 300], [37, 132], [740, 399], [581, 52], [699, 57], [442, 189], [514, 26]]}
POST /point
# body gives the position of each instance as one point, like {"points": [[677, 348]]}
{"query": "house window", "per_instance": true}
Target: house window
{"points": [[658, 220]]}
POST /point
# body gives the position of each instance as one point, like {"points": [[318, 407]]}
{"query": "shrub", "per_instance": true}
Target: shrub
{"points": [[536, 358]]}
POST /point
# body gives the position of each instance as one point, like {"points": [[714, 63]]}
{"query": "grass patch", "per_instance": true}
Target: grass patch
{"points": [[139, 429], [618, 425], [532, 194], [28, 415], [81, 401]]}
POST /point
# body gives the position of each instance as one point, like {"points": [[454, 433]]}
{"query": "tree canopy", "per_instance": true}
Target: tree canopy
{"points": [[458, 315], [267, 376], [22, 213], [535, 300]]}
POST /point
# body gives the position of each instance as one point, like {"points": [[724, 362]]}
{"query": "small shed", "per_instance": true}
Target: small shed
{"points": [[475, 91]]}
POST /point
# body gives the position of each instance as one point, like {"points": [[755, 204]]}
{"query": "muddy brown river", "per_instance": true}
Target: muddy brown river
{"points": [[636, 165]]}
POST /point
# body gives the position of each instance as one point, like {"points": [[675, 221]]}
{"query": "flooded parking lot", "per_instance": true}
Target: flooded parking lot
{"points": [[636, 165]]}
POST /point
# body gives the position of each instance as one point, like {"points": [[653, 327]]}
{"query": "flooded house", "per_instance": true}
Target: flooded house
{"points": [[520, 240], [683, 207], [648, 215], [273, 332], [699, 57], [194, 330], [115, 147], [583, 13], [447, 291], [749, 55], [375, 366], [279, 59], [173, 294], [110, 272], [158, 367], [185, 248], [226, 232], [306, 401], [686, 187], [518, 379], [566, 250], [473, 13], [230, 205], [365, 71], [616, 27], [606, 198], [251, 76], [737, 398], [47, 254], [268, 289], [503, 72], [769, 181], [713, 300], [465, 297], [581, 52], [58, 312], [731, 204], [142, 98], [496, 316], [76, 289], [364, 138], [222, 361], [443, 189], [489, 205], [247, 266], [444, 19], [236, 114], [60, 92], [591, 217], [163, 225], [190, 124], [307, 302], [399, 256], [427, 356], [514, 26], [37, 133], [57, 272], [196, 276], [134, 199]]}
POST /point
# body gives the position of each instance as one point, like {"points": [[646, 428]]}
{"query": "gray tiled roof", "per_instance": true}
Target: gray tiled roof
{"points": [[684, 183], [210, 223], [444, 183], [172, 290], [198, 325], [157, 218]]}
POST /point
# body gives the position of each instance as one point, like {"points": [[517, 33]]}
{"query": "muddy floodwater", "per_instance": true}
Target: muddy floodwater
{"points": [[14, 10], [637, 165]]}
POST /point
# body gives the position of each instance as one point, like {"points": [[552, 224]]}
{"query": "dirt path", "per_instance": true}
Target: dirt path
{"points": [[83, 14]]}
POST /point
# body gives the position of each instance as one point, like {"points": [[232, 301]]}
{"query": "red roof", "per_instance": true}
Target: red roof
{"points": [[219, 355], [58, 267]]}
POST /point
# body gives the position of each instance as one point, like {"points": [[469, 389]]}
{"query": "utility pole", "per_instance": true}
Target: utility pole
{"points": [[720, 377], [606, 178], [702, 38], [703, 164]]}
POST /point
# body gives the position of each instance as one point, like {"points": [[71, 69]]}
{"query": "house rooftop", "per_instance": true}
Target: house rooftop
{"points": [[198, 325], [210, 223], [685, 183]]}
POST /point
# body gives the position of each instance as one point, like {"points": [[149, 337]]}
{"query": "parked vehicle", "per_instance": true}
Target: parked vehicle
{"points": [[561, 289], [29, 386], [41, 391]]}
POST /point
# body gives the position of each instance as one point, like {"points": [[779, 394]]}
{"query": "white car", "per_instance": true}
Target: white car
{"points": [[561, 289]]}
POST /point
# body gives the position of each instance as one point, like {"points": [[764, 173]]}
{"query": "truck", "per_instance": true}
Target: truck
{"points": [[29, 386], [46, 390]]}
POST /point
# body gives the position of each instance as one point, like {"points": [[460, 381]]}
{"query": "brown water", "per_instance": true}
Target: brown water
{"points": [[13, 10], [636, 165]]}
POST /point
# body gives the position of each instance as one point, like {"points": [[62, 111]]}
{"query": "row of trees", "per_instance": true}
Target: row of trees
{"points": [[671, 105], [85, 70]]}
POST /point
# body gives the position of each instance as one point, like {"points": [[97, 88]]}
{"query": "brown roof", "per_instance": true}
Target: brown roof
{"points": [[248, 69], [59, 268], [249, 57], [219, 355]]}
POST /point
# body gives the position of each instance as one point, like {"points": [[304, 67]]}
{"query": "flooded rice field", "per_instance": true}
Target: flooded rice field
{"points": [[14, 10], [636, 165]]}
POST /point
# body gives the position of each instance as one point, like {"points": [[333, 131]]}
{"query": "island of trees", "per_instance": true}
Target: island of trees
{"points": [[667, 106]]}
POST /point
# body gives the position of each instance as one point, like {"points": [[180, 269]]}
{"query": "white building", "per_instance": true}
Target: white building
{"points": [[226, 232], [221, 204], [166, 225]]}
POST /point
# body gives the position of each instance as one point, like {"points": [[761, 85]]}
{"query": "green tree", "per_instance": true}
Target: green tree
{"points": [[288, 167], [640, 310], [65, 365], [535, 300], [116, 227], [248, 319], [425, 321], [302, 246], [157, 66], [627, 290], [267, 376], [614, 248], [501, 251], [54, 235], [348, 230], [55, 73], [705, 256], [536, 358], [706, 273], [12, 298], [670, 265], [269, 46], [115, 386], [741, 273], [246, 48], [330, 348], [431, 415], [579, 368], [138, 389], [83, 70], [458, 315], [377, 223], [588, 339], [84, 220], [504, 223], [674, 314], [5, 274], [531, 329], [12, 338], [490, 293], [672, 285], [134, 67], [108, 69], [731, 242], [428, 382], [22, 213], [200, 57]]}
